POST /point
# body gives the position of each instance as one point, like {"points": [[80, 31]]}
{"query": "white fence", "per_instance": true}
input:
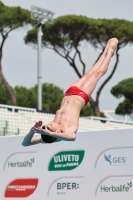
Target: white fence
{"points": [[98, 165]]}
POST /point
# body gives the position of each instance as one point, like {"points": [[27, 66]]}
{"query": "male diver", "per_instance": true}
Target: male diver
{"points": [[65, 124]]}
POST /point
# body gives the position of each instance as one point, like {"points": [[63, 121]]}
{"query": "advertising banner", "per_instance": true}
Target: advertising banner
{"points": [[97, 166]]}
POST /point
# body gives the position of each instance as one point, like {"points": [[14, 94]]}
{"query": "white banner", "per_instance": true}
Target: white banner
{"points": [[98, 165]]}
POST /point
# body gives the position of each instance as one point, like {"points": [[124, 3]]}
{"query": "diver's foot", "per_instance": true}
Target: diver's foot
{"points": [[112, 46]]}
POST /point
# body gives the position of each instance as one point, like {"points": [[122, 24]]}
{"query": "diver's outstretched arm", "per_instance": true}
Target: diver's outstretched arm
{"points": [[29, 140]]}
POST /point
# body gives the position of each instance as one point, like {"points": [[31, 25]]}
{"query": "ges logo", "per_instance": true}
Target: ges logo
{"points": [[115, 160]]}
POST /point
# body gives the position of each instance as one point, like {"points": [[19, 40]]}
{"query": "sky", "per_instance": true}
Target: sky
{"points": [[20, 60]]}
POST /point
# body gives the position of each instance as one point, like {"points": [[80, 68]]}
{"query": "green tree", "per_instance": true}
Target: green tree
{"points": [[67, 33], [4, 96], [27, 97], [11, 18], [124, 89], [87, 111], [52, 96]]}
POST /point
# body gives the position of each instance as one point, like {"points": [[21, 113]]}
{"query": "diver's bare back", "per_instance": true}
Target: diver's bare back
{"points": [[69, 113]]}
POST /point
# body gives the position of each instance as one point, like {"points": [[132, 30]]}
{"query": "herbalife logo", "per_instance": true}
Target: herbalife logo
{"points": [[115, 160], [66, 160], [120, 188], [26, 163]]}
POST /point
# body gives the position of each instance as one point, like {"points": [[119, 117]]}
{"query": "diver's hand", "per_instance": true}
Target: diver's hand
{"points": [[43, 131], [46, 130], [37, 126]]}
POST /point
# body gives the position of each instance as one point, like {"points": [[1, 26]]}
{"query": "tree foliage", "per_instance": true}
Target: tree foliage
{"points": [[11, 18], [124, 89], [51, 98], [4, 96], [87, 111], [27, 97], [66, 35]]}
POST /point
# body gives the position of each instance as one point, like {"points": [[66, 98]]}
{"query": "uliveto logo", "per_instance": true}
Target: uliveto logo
{"points": [[63, 187], [118, 160], [66, 160], [120, 188], [21, 188], [26, 163]]}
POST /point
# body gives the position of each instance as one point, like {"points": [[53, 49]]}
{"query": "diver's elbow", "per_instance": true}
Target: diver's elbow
{"points": [[73, 137], [25, 145]]}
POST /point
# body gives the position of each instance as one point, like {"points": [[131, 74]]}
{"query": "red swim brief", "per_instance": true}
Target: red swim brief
{"points": [[73, 90]]}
